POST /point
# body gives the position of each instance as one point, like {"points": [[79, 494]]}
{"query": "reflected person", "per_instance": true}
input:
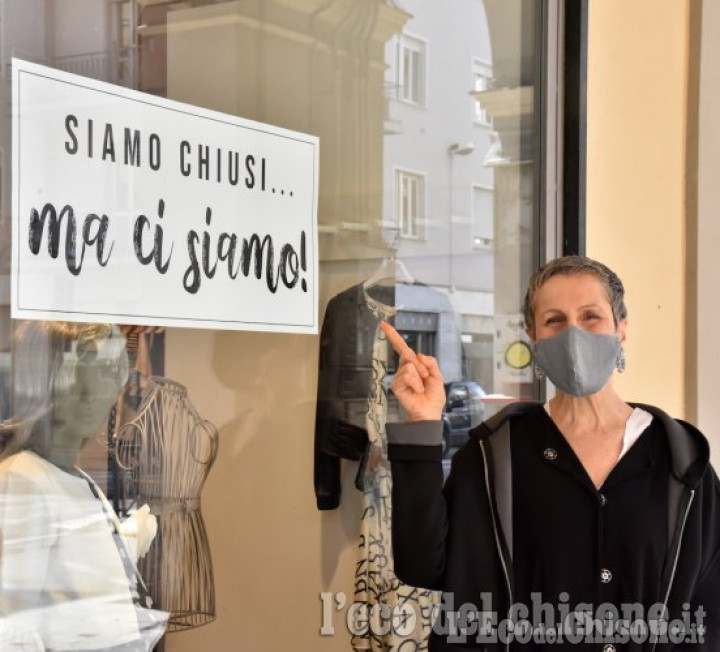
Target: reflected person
{"points": [[587, 514], [68, 579]]}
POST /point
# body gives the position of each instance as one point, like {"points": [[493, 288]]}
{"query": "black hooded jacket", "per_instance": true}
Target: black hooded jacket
{"points": [[458, 537]]}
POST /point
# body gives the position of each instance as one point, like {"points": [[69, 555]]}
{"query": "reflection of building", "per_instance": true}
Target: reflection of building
{"points": [[92, 38], [437, 137], [459, 156], [428, 322]]}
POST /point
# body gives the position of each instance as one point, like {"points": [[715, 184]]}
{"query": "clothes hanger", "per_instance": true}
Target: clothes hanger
{"points": [[390, 269]]}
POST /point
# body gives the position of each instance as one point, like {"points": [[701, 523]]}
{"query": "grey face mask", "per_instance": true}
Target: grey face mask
{"points": [[576, 361]]}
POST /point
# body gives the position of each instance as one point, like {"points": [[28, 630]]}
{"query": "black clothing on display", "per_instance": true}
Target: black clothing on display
{"points": [[518, 515], [345, 374], [344, 382]]}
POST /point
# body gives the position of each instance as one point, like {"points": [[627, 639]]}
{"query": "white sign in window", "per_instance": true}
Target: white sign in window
{"points": [[129, 208]]}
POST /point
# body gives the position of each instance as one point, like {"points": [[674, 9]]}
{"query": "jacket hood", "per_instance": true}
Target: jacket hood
{"points": [[689, 449]]}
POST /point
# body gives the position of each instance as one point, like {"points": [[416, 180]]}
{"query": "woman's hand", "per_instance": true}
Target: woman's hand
{"points": [[418, 383]]}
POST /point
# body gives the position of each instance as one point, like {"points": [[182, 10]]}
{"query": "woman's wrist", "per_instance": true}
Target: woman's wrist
{"points": [[423, 433], [425, 416]]}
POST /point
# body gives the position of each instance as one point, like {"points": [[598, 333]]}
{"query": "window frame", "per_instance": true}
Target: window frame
{"points": [[399, 174], [481, 117], [489, 243], [403, 41]]}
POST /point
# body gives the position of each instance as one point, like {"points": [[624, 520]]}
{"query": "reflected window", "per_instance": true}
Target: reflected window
{"points": [[457, 395], [482, 211], [411, 69], [411, 200], [481, 82], [419, 341]]}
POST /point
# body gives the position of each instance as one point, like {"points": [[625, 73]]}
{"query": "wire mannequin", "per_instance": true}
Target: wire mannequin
{"points": [[167, 451]]}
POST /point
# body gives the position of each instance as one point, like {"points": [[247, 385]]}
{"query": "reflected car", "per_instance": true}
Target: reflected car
{"points": [[463, 410]]}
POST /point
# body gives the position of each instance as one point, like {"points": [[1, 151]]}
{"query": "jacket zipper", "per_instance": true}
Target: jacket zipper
{"points": [[677, 556], [495, 530]]}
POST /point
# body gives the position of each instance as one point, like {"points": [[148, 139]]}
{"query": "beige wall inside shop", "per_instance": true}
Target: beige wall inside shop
{"points": [[637, 106], [272, 551]]}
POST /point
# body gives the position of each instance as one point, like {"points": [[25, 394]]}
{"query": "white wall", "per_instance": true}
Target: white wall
{"points": [[636, 192]]}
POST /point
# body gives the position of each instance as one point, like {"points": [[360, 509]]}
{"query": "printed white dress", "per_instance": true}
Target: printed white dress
{"points": [[397, 617]]}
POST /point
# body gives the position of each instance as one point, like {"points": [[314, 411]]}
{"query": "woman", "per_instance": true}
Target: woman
{"points": [[67, 574], [587, 523]]}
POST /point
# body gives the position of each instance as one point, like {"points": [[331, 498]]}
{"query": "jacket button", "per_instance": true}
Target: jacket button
{"points": [[609, 648], [605, 576], [550, 453], [602, 499]]}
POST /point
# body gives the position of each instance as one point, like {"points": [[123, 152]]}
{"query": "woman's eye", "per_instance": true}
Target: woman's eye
{"points": [[590, 316], [553, 320]]}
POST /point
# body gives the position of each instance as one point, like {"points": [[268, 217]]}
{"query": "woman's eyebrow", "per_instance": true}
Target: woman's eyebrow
{"points": [[560, 311]]}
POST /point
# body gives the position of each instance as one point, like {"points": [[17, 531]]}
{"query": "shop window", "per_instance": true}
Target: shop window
{"points": [[422, 221], [420, 332], [411, 195], [420, 341]]}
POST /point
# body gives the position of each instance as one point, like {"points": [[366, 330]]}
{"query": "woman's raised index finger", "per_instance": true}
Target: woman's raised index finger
{"points": [[397, 341]]}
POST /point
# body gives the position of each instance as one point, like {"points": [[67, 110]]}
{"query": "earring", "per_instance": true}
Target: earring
{"points": [[620, 361], [539, 372]]}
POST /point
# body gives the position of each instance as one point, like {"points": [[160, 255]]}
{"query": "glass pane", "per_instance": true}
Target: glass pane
{"points": [[483, 216], [427, 216], [408, 94]]}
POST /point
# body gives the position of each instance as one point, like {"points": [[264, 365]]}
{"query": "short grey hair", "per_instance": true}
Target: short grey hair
{"points": [[568, 265]]}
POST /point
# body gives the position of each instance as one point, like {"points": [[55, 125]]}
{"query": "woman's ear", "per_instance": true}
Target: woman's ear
{"points": [[622, 331], [530, 333]]}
